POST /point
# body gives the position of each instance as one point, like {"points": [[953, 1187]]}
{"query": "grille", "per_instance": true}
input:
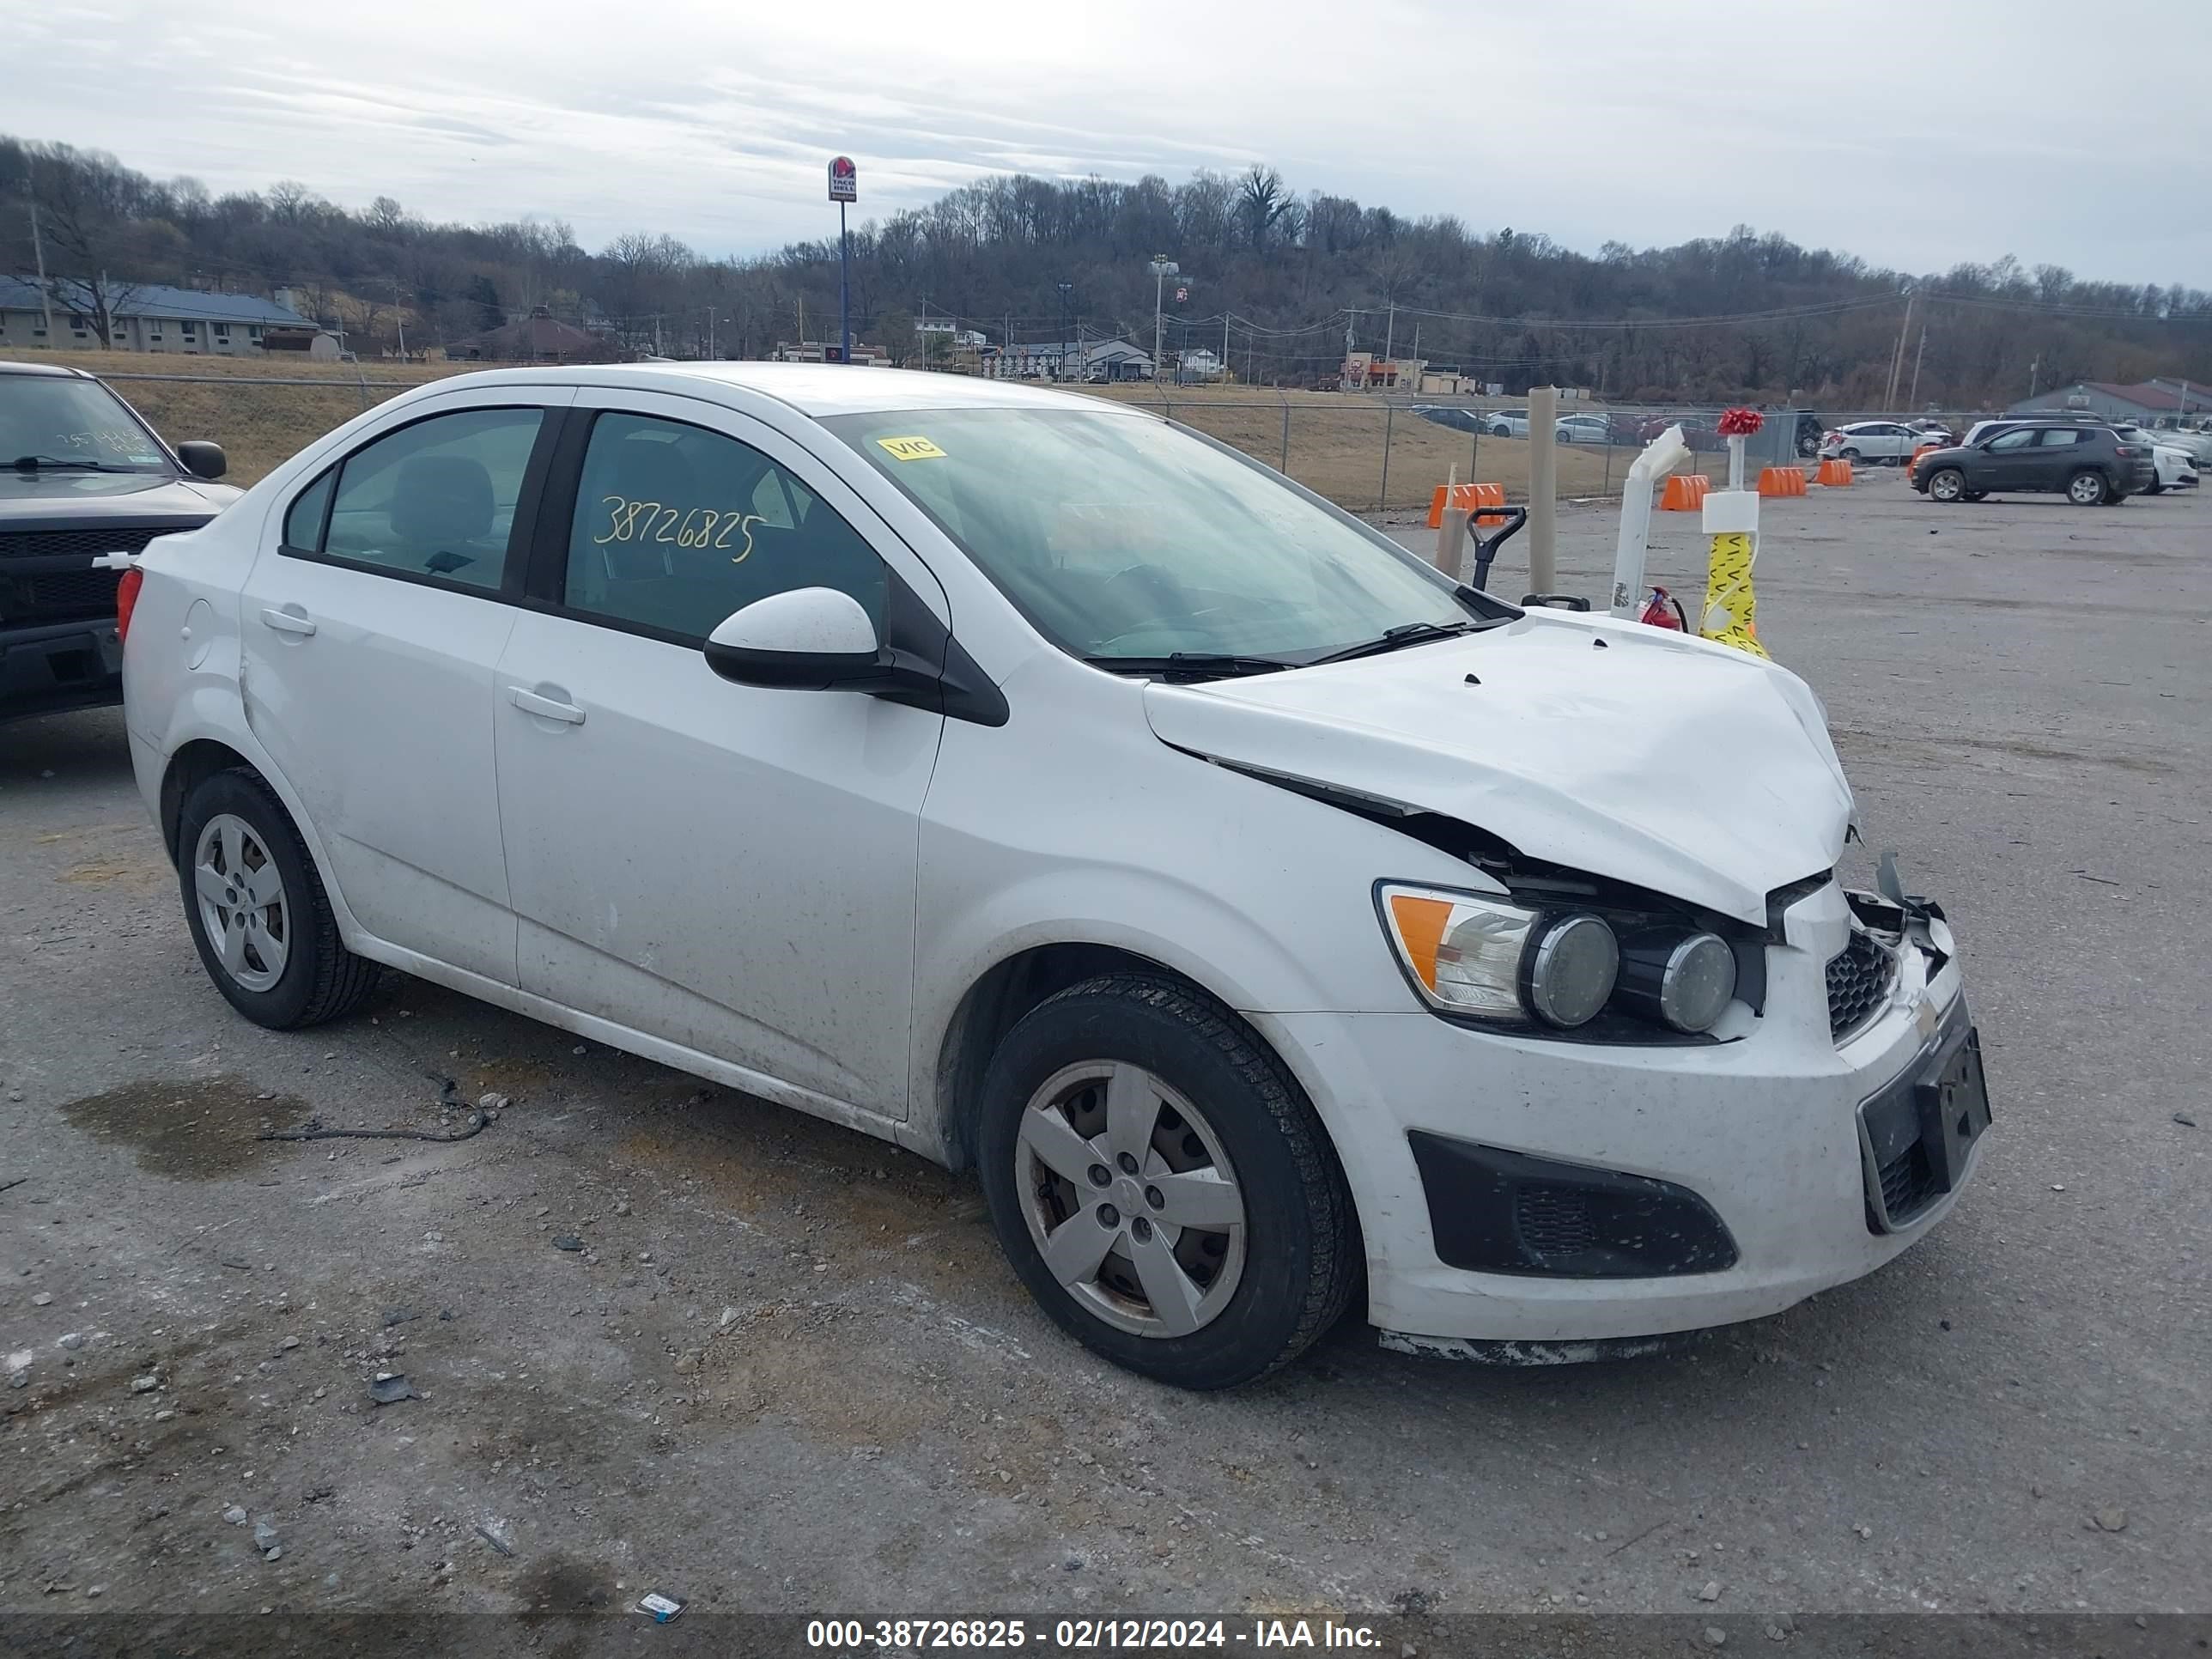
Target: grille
{"points": [[1553, 1223], [63, 544], [1908, 1184], [1858, 979], [57, 596]]}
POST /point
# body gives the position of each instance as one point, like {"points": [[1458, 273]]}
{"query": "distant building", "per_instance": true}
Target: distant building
{"points": [[825, 351], [1071, 359], [2144, 400], [540, 338], [1365, 372], [944, 328], [1197, 363], [153, 317]]}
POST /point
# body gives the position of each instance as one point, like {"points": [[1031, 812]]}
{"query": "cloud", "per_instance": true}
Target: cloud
{"points": [[1961, 132]]}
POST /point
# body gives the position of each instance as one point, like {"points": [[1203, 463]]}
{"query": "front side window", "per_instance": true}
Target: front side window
{"points": [[1120, 537], [2020, 440], [676, 527], [434, 500]]}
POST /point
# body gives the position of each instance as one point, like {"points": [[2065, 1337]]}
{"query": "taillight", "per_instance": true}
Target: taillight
{"points": [[126, 601], [2124, 450]]}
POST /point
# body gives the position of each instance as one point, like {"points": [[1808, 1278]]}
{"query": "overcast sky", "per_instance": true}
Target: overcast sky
{"points": [[1917, 135]]}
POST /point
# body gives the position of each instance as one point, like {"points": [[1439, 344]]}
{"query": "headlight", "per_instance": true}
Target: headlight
{"points": [[1501, 961], [1523, 965], [1684, 980]]}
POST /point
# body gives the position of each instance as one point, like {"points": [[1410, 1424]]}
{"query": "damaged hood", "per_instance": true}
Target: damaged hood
{"points": [[1622, 750]]}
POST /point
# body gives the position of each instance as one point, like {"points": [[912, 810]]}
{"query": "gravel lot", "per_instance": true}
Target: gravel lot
{"points": [[785, 1369]]}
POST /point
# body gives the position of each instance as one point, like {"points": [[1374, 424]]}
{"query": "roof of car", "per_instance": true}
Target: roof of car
{"points": [[62, 369], [818, 390]]}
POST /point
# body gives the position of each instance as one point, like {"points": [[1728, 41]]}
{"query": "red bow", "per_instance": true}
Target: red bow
{"points": [[1740, 423]]}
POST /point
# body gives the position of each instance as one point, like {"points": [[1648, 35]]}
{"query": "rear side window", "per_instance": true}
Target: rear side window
{"points": [[676, 527], [435, 501], [2054, 437]]}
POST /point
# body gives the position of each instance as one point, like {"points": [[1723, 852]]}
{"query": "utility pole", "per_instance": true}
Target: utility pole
{"points": [[398, 317], [39, 250], [1913, 398], [1390, 332], [1225, 370], [2034, 370], [710, 331], [1163, 268], [1897, 361]]}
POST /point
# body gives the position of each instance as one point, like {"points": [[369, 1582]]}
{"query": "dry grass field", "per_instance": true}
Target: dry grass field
{"points": [[1335, 441]]}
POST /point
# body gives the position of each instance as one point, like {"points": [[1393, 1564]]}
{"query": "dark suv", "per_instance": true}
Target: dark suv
{"points": [[2088, 465], [80, 475]]}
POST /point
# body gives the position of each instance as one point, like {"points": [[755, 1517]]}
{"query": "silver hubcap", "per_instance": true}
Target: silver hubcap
{"points": [[242, 903], [1130, 1199], [1944, 486], [2087, 490]]}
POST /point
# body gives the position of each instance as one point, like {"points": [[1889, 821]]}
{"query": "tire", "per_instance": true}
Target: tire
{"points": [[2087, 488], [1807, 447], [287, 966], [2154, 488], [1851, 455], [1946, 484], [1134, 1049]]}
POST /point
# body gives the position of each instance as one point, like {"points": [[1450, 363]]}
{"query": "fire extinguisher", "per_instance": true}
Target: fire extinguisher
{"points": [[1663, 609]]}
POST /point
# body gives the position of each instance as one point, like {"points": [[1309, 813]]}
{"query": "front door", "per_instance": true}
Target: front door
{"points": [[728, 868], [2006, 462], [375, 614]]}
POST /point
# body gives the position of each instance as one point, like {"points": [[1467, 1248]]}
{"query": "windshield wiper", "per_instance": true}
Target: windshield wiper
{"points": [[1411, 633], [1192, 665], [49, 464]]}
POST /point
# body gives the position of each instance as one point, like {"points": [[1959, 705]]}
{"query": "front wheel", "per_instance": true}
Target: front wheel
{"points": [[257, 911], [1162, 1186], [2154, 488], [2087, 489], [1946, 484]]}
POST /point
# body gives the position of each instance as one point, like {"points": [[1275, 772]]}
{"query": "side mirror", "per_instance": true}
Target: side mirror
{"points": [[807, 639], [202, 461]]}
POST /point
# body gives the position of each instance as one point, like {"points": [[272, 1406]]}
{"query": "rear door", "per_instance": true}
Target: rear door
{"points": [[729, 868], [375, 613]]}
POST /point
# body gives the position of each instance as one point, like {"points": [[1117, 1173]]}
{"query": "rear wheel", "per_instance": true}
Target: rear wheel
{"points": [[257, 910], [1162, 1186], [2087, 488], [1946, 484], [1851, 455], [1974, 495]]}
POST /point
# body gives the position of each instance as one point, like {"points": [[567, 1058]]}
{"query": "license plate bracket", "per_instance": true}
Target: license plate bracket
{"points": [[1952, 1096]]}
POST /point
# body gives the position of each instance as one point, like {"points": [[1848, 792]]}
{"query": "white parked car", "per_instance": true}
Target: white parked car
{"points": [[1890, 442], [1505, 422], [1583, 429], [2176, 463], [1053, 791]]}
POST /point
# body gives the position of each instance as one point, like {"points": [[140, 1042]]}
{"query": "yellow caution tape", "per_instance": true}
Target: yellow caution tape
{"points": [[1728, 600]]}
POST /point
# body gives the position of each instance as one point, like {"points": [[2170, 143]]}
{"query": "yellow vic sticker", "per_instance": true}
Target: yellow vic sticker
{"points": [[911, 449], [1730, 615]]}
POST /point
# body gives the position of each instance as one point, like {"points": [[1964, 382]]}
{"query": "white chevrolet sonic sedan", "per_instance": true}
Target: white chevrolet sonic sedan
{"points": [[1051, 790]]}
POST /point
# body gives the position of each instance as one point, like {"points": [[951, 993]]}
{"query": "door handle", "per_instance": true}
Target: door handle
{"points": [[289, 622], [551, 708]]}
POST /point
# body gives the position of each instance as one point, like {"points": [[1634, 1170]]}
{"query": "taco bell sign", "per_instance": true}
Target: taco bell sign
{"points": [[844, 180]]}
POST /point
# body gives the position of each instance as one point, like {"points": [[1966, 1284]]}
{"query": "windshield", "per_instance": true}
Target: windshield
{"points": [[1121, 538], [64, 423]]}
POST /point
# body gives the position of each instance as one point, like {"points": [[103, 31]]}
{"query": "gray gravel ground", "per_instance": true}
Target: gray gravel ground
{"points": [[787, 1370]]}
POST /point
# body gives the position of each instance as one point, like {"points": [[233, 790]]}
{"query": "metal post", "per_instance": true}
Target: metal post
{"points": [[844, 288], [1543, 486], [1389, 414], [1285, 469]]}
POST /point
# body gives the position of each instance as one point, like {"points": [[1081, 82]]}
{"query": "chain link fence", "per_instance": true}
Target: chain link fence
{"points": [[1371, 454]]}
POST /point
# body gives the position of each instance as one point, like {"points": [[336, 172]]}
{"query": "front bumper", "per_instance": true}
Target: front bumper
{"points": [[1765, 1131], [56, 665]]}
